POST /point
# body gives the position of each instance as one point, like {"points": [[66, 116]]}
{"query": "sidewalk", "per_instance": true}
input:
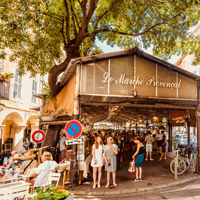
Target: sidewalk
{"points": [[156, 175]]}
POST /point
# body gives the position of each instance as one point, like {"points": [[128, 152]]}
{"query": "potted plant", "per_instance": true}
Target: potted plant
{"points": [[52, 192], [5, 76]]}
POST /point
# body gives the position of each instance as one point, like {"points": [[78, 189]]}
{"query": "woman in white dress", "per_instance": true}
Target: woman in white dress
{"points": [[97, 160]]}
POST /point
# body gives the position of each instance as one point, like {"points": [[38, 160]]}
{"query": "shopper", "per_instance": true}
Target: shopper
{"points": [[149, 140], [110, 152], [159, 137], [139, 154], [164, 140], [43, 170], [120, 149], [63, 146], [97, 160]]}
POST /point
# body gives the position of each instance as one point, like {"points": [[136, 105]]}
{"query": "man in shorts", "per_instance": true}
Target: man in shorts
{"points": [[149, 140], [159, 137]]}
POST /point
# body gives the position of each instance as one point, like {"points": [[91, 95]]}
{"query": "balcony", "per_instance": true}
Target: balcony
{"points": [[4, 90]]}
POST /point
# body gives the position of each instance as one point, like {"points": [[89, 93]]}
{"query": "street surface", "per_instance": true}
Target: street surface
{"points": [[188, 191]]}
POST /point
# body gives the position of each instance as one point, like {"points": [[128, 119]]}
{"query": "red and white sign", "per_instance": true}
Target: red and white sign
{"points": [[73, 129], [38, 136]]}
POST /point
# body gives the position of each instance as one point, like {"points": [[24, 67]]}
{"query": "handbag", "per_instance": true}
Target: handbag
{"points": [[131, 167]]}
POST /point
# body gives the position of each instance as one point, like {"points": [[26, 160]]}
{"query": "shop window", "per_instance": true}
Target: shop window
{"points": [[17, 85], [34, 90]]}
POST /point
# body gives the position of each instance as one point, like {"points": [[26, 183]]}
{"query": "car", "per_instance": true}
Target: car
{"points": [[182, 139]]}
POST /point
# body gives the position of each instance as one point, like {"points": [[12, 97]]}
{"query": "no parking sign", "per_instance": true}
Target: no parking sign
{"points": [[73, 129]]}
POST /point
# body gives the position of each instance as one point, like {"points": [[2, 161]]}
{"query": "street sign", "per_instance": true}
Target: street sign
{"points": [[73, 129], [38, 136], [75, 141]]}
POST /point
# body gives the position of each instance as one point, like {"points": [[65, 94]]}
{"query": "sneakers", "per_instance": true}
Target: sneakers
{"points": [[136, 180], [151, 159], [146, 159]]}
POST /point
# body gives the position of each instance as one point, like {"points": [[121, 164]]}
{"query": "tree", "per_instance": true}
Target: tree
{"points": [[41, 32]]}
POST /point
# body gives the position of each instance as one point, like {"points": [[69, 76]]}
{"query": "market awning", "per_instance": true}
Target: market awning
{"points": [[63, 104]]}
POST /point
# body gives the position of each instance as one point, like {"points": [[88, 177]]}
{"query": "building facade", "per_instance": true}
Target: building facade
{"points": [[19, 113]]}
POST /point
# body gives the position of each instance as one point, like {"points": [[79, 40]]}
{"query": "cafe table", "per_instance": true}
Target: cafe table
{"points": [[14, 179]]}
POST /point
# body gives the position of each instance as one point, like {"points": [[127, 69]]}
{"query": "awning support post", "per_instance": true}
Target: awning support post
{"points": [[170, 138]]}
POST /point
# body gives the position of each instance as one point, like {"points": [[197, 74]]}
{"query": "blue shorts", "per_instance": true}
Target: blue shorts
{"points": [[139, 160]]}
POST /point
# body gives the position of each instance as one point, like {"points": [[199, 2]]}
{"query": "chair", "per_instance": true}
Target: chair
{"points": [[21, 191], [53, 177]]}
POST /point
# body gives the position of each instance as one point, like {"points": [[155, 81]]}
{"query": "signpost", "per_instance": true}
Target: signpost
{"points": [[73, 129], [38, 136]]}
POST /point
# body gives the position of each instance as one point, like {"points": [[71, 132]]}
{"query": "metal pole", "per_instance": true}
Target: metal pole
{"points": [[170, 138], [198, 137], [73, 165], [175, 168], [188, 130]]}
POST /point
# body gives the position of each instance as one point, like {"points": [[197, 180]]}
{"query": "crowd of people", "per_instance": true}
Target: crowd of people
{"points": [[109, 146]]}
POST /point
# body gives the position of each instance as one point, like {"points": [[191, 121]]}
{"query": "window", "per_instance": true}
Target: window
{"points": [[195, 72], [34, 90], [17, 85], [192, 58], [184, 65], [42, 84]]}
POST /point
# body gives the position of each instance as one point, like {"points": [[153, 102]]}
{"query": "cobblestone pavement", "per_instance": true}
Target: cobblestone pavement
{"points": [[187, 191]]}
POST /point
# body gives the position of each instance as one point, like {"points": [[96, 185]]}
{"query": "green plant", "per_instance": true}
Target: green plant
{"points": [[47, 91], [6, 75], [50, 193]]}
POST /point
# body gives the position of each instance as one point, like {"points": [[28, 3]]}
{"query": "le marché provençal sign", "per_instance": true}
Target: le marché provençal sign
{"points": [[107, 78], [125, 76]]}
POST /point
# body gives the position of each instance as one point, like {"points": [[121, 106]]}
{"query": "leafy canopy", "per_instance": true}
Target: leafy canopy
{"points": [[41, 32]]}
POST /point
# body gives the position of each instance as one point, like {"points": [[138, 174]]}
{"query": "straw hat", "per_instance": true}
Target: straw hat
{"points": [[28, 156], [16, 156]]}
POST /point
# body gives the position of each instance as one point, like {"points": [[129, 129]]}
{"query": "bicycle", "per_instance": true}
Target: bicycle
{"points": [[181, 166], [190, 158]]}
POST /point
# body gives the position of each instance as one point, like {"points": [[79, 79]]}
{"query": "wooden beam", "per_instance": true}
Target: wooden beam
{"points": [[146, 106]]}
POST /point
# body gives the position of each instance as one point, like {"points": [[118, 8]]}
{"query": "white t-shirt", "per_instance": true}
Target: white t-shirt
{"points": [[43, 171], [63, 139], [159, 136]]}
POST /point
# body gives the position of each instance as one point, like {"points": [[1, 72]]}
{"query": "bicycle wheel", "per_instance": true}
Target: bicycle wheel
{"points": [[187, 163], [181, 166]]}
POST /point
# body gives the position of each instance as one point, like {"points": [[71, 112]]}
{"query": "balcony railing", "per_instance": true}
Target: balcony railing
{"points": [[4, 90]]}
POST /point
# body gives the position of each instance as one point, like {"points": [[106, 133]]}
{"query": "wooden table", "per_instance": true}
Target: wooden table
{"points": [[39, 150]]}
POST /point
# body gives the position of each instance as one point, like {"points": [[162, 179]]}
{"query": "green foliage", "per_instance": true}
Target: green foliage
{"points": [[47, 91], [37, 31], [6, 75], [50, 193]]}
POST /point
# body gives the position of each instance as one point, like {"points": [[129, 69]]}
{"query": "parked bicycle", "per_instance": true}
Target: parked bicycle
{"points": [[190, 158], [181, 165]]}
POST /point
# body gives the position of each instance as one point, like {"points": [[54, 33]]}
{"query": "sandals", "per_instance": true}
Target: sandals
{"points": [[115, 185], [107, 186]]}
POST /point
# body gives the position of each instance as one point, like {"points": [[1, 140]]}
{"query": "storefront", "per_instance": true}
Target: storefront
{"points": [[127, 86]]}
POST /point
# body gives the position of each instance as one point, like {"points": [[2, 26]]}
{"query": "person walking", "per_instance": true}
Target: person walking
{"points": [[164, 140], [139, 154], [159, 137], [119, 155], [63, 146], [149, 139], [97, 160], [110, 152]]}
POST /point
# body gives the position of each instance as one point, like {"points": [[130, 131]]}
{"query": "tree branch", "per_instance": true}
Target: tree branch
{"points": [[91, 8], [67, 20], [73, 19], [100, 17], [49, 15], [62, 33]]}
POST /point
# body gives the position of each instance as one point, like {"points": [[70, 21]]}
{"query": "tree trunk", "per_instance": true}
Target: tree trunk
{"points": [[52, 136]]}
